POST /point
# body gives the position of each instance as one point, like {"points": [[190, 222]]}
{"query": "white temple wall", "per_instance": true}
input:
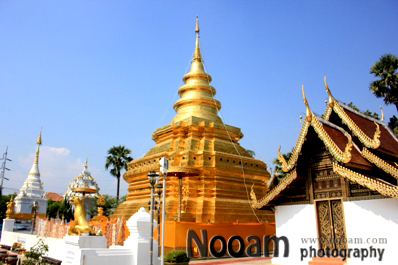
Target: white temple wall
{"points": [[372, 221], [295, 222], [23, 204], [56, 248]]}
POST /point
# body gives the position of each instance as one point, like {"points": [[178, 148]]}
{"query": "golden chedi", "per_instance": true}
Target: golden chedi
{"points": [[208, 169]]}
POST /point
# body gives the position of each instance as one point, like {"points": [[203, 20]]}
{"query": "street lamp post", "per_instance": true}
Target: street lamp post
{"points": [[164, 167], [153, 178], [159, 186]]}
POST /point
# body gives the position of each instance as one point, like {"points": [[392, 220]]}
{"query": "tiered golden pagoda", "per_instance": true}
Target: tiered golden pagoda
{"points": [[210, 174]]}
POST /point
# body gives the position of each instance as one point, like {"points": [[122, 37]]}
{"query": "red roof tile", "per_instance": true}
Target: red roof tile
{"points": [[387, 142], [53, 196], [341, 141]]}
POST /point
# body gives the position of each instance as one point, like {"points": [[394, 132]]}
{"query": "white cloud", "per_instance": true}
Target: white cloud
{"points": [[61, 151], [57, 168]]}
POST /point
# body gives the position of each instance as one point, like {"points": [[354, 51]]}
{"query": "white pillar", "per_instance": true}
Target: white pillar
{"points": [[8, 225], [139, 226]]}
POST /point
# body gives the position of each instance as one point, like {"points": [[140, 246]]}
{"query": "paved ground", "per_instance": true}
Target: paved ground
{"points": [[239, 261]]}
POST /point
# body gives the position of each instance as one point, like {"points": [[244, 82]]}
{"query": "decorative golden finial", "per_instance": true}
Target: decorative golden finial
{"points": [[197, 57], [86, 165], [308, 115], [38, 142], [382, 114], [197, 25], [331, 100], [39, 138]]}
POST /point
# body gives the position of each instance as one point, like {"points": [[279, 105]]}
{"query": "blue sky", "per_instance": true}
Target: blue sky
{"points": [[96, 74]]}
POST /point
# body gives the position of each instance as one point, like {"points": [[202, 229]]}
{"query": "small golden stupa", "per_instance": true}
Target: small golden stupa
{"points": [[210, 174]]}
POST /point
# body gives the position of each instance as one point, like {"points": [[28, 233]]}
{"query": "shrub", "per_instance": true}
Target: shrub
{"points": [[34, 256], [176, 256]]}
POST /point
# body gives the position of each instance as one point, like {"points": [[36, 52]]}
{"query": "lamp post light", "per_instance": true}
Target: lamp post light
{"points": [[153, 178]]}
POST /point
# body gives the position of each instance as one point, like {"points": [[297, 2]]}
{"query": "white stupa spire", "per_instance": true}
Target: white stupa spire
{"points": [[32, 189], [34, 173]]}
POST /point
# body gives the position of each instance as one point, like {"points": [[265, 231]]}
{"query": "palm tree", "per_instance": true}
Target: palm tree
{"points": [[387, 87], [118, 157]]}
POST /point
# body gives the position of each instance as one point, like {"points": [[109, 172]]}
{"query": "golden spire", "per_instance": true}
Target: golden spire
{"points": [[39, 138], [38, 142], [331, 100], [197, 95], [197, 57], [308, 114], [86, 165]]}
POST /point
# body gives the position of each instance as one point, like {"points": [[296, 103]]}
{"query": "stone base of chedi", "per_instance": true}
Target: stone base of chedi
{"points": [[210, 174]]}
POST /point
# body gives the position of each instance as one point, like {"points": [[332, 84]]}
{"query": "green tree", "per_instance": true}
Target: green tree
{"points": [[393, 124], [367, 112], [351, 105], [118, 158], [3, 206], [387, 86], [108, 208], [59, 209], [278, 166], [370, 114]]}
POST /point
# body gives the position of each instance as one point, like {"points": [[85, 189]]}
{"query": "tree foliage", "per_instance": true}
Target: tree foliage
{"points": [[35, 254], [176, 256], [118, 158], [59, 209], [387, 86], [367, 112], [110, 205], [278, 166], [3, 206], [393, 124]]}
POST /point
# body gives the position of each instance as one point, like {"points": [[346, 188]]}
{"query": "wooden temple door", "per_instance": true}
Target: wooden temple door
{"points": [[328, 190], [331, 224]]}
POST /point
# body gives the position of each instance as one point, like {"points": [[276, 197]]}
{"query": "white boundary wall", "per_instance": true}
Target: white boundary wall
{"points": [[91, 250], [56, 245], [373, 220], [294, 222], [367, 219]]}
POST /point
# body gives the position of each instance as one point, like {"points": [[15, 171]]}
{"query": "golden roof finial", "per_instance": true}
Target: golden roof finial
{"points": [[331, 100], [308, 115], [197, 57], [86, 165], [382, 114]]}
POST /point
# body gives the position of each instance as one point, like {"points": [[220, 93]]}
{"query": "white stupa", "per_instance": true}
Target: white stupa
{"points": [[32, 189], [84, 180]]}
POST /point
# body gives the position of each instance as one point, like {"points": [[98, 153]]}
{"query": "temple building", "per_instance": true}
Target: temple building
{"points": [[210, 173], [340, 187], [83, 184], [31, 190]]}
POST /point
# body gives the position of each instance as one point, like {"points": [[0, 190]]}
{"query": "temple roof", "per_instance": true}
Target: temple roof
{"points": [[84, 180], [370, 134]]}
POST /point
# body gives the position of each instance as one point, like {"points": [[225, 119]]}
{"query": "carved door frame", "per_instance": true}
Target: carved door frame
{"points": [[330, 222]]}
